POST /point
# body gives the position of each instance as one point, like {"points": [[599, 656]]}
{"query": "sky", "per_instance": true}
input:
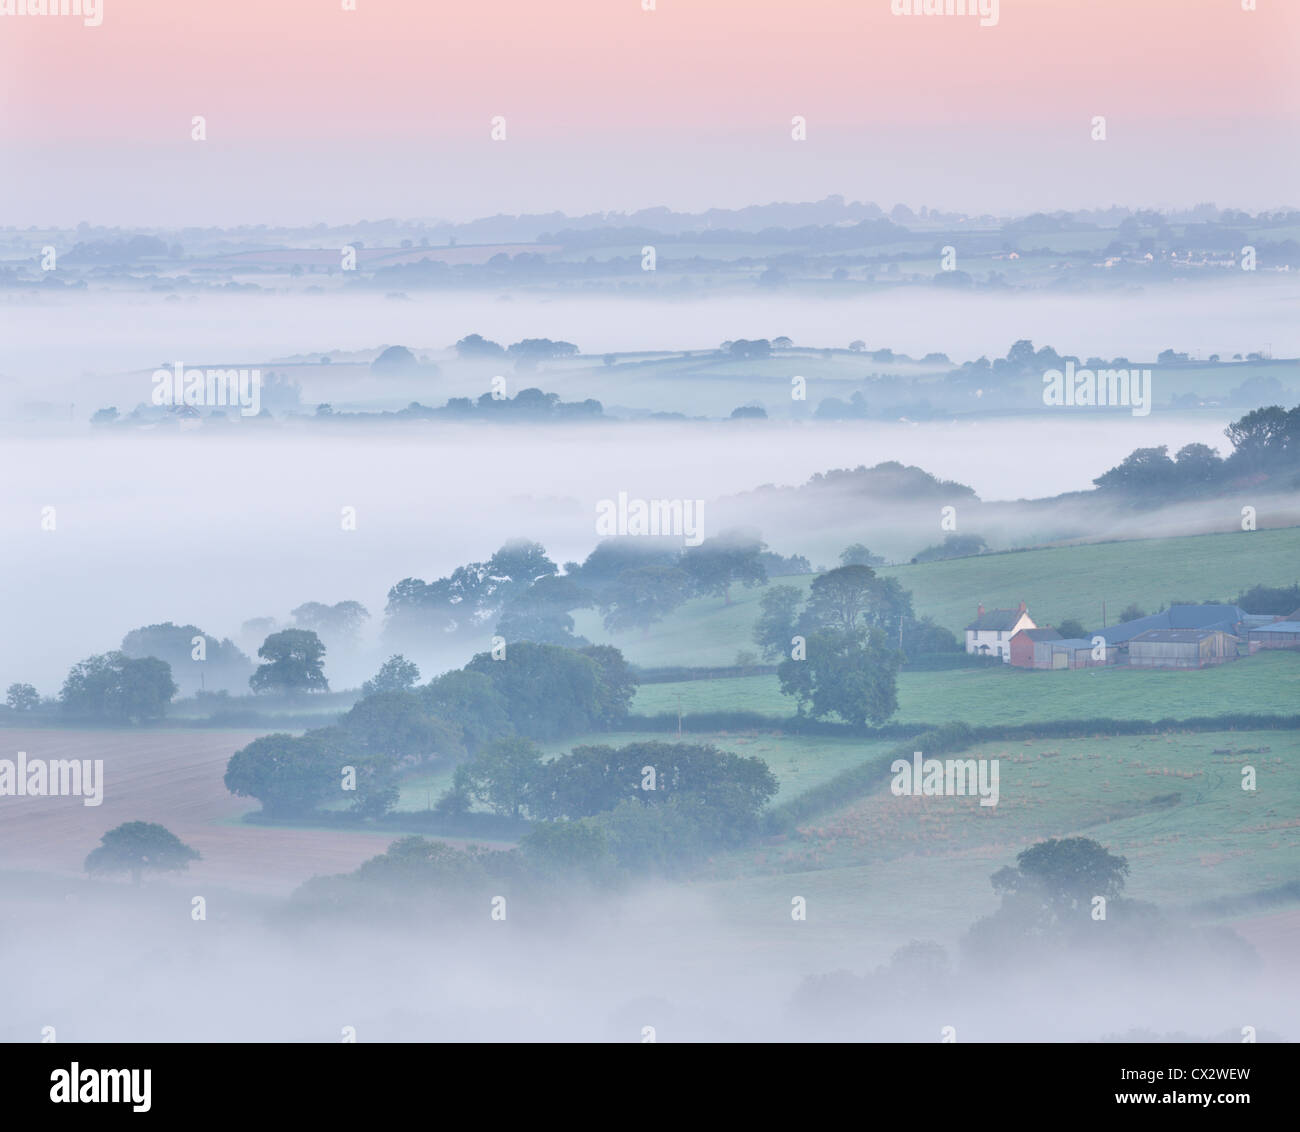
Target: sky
{"points": [[316, 113]]}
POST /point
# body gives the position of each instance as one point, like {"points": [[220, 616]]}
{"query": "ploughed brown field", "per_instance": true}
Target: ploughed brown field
{"points": [[173, 778]]}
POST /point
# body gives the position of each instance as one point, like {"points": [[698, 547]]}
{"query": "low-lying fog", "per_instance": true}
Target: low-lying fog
{"points": [[214, 529], [602, 970], [58, 338]]}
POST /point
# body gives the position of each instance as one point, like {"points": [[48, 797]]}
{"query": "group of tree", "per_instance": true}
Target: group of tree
{"points": [[472, 597], [527, 352], [118, 689], [531, 692], [197, 659], [530, 405], [648, 803], [634, 581], [1265, 441], [953, 546]]}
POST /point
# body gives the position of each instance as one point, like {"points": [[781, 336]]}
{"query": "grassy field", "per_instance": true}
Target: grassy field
{"points": [[1268, 683], [1056, 583], [894, 868]]}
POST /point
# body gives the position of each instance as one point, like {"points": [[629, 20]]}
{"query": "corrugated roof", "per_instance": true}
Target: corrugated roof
{"points": [[1223, 617], [1175, 636], [1291, 627], [1073, 643]]}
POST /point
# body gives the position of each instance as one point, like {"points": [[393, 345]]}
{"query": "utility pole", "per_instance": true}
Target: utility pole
{"points": [[1103, 613]]}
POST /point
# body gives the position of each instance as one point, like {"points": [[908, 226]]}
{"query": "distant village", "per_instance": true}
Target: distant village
{"points": [[1182, 636]]}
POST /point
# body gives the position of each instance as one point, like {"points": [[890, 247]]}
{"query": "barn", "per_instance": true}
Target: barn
{"points": [[1181, 648], [1222, 617], [1022, 645], [1071, 652], [1279, 635]]}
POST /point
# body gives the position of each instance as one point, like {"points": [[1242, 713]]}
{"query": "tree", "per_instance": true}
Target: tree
{"points": [[776, 620], [1065, 875], [1145, 471], [595, 779], [394, 724], [1198, 465], [339, 623], [953, 546], [568, 847], [514, 568], [295, 663], [1265, 438], [396, 674], [541, 350], [717, 563], [606, 563], [137, 845], [542, 612], [643, 596], [1071, 630], [503, 775], [925, 637], [1132, 613], [850, 674], [289, 775], [396, 360], [552, 692], [115, 688], [22, 697], [470, 704], [476, 346], [859, 555], [218, 663], [837, 598], [750, 350]]}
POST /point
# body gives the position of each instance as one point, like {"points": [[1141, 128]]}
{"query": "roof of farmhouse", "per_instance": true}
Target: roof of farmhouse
{"points": [[996, 620]]}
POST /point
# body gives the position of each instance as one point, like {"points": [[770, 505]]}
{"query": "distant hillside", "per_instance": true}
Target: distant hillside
{"points": [[1056, 582]]}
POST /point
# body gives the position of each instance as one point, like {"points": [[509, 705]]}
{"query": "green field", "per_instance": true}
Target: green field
{"points": [[1267, 683], [886, 868], [1055, 582]]}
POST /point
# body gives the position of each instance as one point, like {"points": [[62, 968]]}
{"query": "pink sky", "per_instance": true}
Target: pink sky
{"points": [[406, 88]]}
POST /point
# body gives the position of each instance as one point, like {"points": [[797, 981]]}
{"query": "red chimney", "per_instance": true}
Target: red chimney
{"points": [[980, 611], [1023, 607]]}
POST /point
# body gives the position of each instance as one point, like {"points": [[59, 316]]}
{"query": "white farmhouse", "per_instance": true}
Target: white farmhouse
{"points": [[991, 632]]}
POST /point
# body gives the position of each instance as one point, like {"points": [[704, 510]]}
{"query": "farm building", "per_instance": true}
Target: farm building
{"points": [[1279, 635], [1071, 652], [1181, 648], [1022, 645], [990, 633], [1225, 618]]}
